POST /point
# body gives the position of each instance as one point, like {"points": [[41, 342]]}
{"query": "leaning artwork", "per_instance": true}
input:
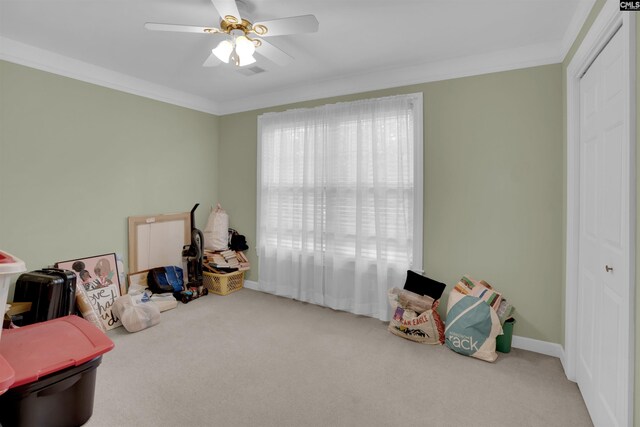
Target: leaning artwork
{"points": [[97, 287]]}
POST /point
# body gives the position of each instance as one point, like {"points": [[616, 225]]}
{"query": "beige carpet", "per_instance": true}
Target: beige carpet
{"points": [[254, 359]]}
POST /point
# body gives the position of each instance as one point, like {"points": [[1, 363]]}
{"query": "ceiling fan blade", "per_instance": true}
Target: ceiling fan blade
{"points": [[212, 61], [273, 53], [227, 8], [155, 26], [291, 25]]}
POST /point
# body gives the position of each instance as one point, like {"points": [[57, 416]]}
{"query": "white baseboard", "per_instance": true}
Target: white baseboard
{"points": [[250, 284], [523, 343], [537, 346]]}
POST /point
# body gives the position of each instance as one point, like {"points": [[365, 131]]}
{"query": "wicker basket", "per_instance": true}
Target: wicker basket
{"points": [[223, 284]]}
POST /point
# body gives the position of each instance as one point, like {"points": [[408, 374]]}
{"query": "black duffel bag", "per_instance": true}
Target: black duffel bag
{"points": [[161, 280], [237, 242]]}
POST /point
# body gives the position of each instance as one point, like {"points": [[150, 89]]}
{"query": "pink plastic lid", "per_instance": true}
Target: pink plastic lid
{"points": [[10, 264], [45, 348], [5, 258], [7, 375]]}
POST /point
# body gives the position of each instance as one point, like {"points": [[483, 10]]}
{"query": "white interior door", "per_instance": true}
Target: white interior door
{"points": [[603, 366]]}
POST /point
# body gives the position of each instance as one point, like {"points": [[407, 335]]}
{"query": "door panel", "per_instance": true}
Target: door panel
{"points": [[586, 355], [603, 293]]}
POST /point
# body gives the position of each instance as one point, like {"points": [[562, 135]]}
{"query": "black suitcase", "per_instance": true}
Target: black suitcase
{"points": [[51, 292]]}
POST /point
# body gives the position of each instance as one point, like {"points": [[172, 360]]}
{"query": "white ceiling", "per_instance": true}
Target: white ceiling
{"points": [[361, 45]]}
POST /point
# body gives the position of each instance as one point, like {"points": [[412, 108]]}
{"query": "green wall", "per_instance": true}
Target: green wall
{"points": [[492, 188], [77, 159]]}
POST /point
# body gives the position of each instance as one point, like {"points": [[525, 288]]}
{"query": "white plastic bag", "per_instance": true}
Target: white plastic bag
{"points": [[216, 233], [136, 312]]}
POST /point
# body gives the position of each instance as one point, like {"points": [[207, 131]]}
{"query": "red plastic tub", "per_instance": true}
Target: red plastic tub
{"points": [[7, 375], [9, 266], [55, 366]]}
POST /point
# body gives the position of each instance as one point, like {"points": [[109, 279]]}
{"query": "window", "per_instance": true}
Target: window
{"points": [[340, 195]]}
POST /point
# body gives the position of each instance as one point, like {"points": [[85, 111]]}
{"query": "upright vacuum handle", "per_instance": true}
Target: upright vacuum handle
{"points": [[193, 216]]}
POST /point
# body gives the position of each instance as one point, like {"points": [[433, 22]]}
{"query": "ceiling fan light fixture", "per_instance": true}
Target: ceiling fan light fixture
{"points": [[223, 51], [244, 46], [245, 60], [242, 37]]}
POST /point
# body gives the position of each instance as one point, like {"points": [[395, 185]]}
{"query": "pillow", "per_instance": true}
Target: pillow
{"points": [[422, 285]]}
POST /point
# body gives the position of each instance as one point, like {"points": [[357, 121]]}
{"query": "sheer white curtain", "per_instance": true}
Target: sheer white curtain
{"points": [[340, 202]]}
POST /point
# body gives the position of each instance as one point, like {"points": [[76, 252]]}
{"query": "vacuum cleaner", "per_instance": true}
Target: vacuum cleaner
{"points": [[192, 255]]}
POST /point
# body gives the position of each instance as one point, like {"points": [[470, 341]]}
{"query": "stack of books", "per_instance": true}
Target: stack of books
{"points": [[224, 262], [243, 261], [231, 258], [481, 289], [215, 259]]}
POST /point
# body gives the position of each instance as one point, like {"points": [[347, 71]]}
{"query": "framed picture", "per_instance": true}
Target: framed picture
{"points": [[97, 287]]}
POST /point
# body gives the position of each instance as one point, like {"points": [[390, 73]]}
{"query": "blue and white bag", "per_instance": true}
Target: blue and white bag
{"points": [[472, 327]]}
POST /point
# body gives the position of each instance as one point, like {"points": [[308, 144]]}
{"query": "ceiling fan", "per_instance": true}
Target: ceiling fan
{"points": [[242, 37]]}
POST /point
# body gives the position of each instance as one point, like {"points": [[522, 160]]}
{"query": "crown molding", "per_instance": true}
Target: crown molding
{"points": [[503, 60], [578, 20], [30, 56]]}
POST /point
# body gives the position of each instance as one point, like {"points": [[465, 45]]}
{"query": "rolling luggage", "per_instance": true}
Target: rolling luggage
{"points": [[51, 292]]}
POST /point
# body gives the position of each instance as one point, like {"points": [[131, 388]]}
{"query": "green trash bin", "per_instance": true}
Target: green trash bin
{"points": [[503, 342]]}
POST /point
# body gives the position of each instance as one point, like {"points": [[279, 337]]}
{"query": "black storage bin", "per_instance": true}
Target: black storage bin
{"points": [[50, 291], [63, 399], [54, 365]]}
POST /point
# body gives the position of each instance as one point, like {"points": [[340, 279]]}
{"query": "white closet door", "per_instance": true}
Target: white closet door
{"points": [[603, 309]]}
